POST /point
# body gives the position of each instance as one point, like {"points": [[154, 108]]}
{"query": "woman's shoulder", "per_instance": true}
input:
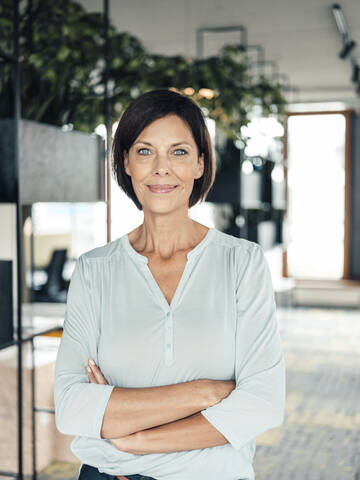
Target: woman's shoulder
{"points": [[103, 251], [230, 241]]}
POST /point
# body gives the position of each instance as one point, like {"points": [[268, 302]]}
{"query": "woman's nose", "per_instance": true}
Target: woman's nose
{"points": [[161, 162]]}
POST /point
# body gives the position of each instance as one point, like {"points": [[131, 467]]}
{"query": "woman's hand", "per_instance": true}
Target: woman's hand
{"points": [[94, 374], [221, 389], [129, 444]]}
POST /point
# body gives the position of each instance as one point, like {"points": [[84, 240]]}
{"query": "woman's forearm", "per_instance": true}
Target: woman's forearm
{"points": [[191, 433], [130, 410]]}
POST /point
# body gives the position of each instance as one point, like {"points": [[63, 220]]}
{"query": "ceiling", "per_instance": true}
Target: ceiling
{"points": [[300, 36]]}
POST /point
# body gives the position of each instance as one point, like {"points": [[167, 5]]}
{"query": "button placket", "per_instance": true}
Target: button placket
{"points": [[168, 339]]}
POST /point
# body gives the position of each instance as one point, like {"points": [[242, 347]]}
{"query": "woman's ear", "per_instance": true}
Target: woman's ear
{"points": [[126, 161], [200, 166]]}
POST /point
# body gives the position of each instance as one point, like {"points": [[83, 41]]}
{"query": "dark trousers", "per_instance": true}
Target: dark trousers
{"points": [[87, 472]]}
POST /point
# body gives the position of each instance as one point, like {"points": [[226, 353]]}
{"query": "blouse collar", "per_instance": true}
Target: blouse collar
{"points": [[190, 255]]}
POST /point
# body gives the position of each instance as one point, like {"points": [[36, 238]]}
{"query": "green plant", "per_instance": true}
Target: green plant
{"points": [[62, 71]]}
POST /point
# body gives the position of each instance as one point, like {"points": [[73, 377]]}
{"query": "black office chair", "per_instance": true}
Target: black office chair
{"points": [[54, 290]]}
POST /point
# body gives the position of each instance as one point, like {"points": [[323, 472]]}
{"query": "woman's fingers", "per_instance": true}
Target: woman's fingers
{"points": [[90, 375], [95, 375]]}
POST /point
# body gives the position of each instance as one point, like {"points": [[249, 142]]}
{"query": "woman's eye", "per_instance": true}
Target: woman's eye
{"points": [[140, 149], [177, 150]]}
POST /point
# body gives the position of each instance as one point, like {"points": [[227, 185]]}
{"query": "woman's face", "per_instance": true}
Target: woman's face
{"points": [[164, 153]]}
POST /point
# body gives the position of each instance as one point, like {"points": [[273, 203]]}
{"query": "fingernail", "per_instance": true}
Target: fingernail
{"points": [[91, 361], [88, 369]]}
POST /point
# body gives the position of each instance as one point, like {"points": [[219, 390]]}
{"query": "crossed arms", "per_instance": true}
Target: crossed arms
{"points": [[170, 418]]}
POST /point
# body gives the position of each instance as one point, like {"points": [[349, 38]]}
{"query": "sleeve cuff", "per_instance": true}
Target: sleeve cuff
{"points": [[101, 410], [223, 430]]}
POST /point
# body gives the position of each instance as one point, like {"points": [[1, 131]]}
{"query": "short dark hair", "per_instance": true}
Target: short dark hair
{"points": [[144, 110]]}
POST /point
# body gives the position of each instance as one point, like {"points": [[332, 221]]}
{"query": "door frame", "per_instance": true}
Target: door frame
{"points": [[348, 114]]}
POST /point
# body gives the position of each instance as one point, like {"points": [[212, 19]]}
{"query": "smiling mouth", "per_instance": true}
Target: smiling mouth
{"points": [[161, 189]]}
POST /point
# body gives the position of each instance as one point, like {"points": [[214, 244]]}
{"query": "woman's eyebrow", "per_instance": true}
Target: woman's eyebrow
{"points": [[173, 145]]}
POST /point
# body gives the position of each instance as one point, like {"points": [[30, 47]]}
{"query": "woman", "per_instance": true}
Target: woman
{"points": [[178, 319]]}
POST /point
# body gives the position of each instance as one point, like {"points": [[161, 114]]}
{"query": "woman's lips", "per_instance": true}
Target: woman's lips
{"points": [[161, 189]]}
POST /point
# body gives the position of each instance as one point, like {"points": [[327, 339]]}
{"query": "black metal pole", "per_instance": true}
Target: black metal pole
{"points": [[33, 407], [32, 256], [107, 117], [16, 120], [106, 58]]}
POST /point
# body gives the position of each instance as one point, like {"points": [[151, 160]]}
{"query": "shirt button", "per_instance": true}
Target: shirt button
{"points": [[168, 345]]}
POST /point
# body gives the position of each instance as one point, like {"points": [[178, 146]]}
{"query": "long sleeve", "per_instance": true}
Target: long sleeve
{"points": [[258, 401], [79, 404]]}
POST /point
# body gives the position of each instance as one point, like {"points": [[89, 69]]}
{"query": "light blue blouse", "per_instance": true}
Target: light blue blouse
{"points": [[221, 325]]}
